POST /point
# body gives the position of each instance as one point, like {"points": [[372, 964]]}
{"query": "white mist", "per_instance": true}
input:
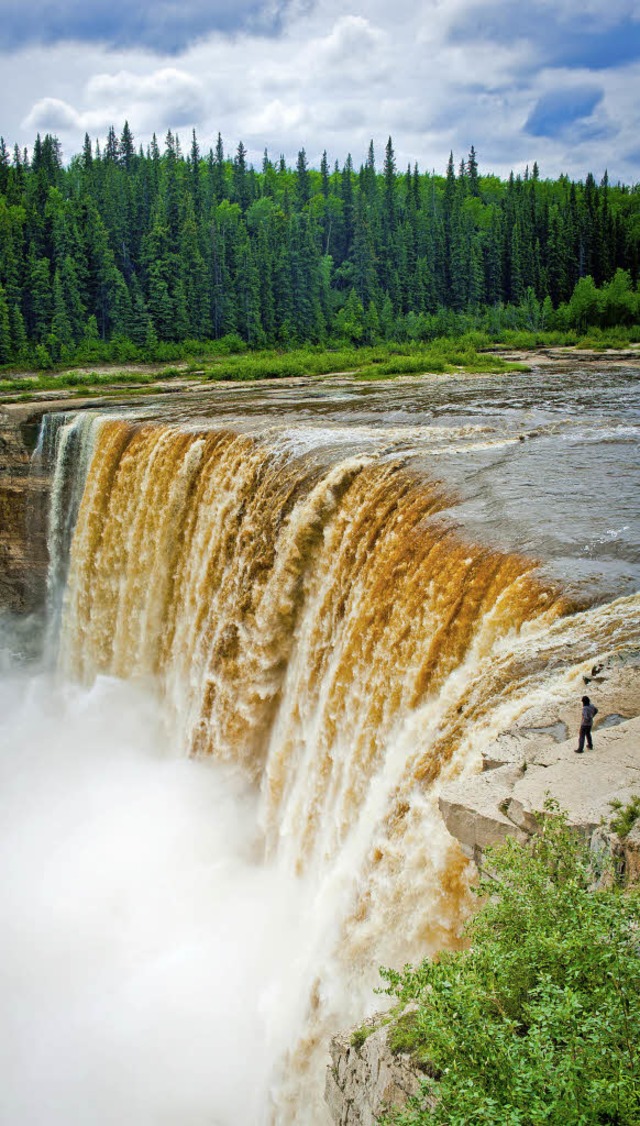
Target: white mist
{"points": [[146, 951]]}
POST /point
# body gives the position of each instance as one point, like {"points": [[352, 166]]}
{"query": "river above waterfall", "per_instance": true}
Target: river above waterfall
{"points": [[544, 462]]}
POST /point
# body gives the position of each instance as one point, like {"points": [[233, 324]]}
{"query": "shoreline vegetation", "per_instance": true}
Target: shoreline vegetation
{"points": [[232, 361]]}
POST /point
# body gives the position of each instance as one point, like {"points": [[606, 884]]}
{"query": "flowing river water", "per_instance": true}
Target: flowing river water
{"points": [[279, 618]]}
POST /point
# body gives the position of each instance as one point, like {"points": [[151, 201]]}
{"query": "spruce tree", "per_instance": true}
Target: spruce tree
{"points": [[303, 181], [87, 154], [6, 349], [324, 174], [112, 148], [240, 188], [472, 173], [4, 165], [127, 149]]}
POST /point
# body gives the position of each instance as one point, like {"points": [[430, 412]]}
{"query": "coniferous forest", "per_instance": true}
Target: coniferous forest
{"points": [[123, 253]]}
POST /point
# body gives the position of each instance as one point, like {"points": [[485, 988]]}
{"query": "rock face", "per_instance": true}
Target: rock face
{"points": [[365, 1077], [536, 759], [23, 507], [629, 848]]}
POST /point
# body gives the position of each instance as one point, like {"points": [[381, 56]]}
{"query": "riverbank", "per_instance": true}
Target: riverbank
{"points": [[472, 353]]}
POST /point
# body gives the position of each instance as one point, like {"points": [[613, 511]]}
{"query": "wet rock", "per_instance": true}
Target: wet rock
{"points": [[475, 810], [631, 854], [23, 506], [365, 1077]]}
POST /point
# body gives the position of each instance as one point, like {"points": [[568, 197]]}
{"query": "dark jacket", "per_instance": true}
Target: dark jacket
{"points": [[588, 712]]}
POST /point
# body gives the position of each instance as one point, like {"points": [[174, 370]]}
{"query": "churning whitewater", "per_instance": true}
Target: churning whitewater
{"points": [[143, 948], [275, 638]]}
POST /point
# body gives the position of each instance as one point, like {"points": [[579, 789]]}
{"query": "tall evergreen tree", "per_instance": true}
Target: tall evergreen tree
{"points": [[303, 180], [324, 174], [112, 148], [240, 186], [472, 173], [127, 150]]}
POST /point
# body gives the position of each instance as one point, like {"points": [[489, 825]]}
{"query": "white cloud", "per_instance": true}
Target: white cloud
{"points": [[332, 79], [167, 97], [276, 117], [52, 115], [351, 41], [168, 92]]}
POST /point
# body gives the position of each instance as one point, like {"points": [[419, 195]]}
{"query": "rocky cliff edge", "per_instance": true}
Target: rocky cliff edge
{"points": [[532, 761], [535, 760]]}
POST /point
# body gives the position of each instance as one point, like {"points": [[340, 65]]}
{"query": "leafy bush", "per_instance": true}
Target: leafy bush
{"points": [[361, 1035], [229, 344], [625, 815], [42, 358], [411, 365], [538, 1021], [171, 373]]}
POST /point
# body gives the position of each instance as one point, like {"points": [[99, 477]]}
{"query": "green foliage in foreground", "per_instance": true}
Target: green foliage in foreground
{"points": [[625, 816], [538, 1022]]}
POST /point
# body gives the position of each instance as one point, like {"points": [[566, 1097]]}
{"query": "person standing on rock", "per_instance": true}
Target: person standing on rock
{"points": [[588, 713]]}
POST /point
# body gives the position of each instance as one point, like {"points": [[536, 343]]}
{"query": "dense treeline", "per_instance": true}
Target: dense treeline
{"points": [[136, 249]]}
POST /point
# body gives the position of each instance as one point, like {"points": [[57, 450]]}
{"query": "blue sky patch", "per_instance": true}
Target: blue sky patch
{"points": [[558, 109], [582, 41], [163, 26], [600, 50]]}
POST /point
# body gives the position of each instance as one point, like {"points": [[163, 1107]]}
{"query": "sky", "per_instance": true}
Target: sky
{"points": [[552, 81]]}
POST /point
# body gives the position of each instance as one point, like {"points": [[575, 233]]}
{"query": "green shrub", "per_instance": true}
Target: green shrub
{"points": [[407, 365], [42, 358], [537, 1023], [171, 373], [360, 1035], [625, 815], [229, 344]]}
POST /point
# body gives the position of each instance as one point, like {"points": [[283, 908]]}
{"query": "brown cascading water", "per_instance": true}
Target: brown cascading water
{"points": [[318, 623]]}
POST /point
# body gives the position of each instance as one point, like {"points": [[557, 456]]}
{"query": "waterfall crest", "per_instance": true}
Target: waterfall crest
{"points": [[295, 613]]}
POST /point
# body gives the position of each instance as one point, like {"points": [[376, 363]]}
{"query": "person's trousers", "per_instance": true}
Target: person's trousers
{"points": [[585, 733]]}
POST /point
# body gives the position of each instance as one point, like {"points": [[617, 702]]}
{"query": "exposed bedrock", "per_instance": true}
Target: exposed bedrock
{"points": [[23, 507], [366, 1076], [535, 760]]}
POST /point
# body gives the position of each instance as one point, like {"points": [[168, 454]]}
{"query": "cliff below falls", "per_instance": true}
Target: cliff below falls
{"points": [[23, 511], [532, 761]]}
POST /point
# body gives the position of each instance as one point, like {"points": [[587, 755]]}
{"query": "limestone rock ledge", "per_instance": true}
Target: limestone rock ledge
{"points": [[366, 1078], [23, 505], [536, 759]]}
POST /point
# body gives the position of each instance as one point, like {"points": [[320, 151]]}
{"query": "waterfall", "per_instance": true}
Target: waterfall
{"points": [[316, 623], [65, 446]]}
